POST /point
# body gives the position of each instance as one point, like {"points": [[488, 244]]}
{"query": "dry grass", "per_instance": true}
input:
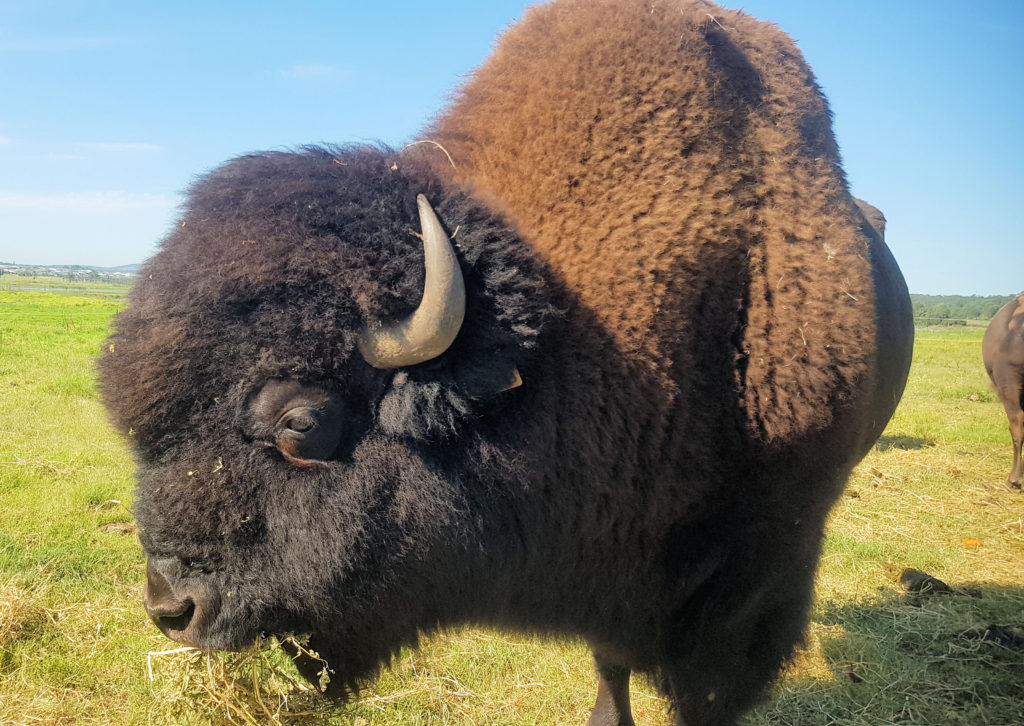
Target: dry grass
{"points": [[455, 678], [20, 611], [256, 686]]}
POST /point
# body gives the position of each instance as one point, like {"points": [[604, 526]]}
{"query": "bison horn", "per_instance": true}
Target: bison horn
{"points": [[428, 331]]}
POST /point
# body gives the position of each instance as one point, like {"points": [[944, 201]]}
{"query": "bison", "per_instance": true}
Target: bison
{"points": [[594, 359], [1002, 350]]}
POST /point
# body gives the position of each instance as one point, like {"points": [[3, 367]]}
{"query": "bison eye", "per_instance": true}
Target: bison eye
{"points": [[305, 423], [310, 433]]}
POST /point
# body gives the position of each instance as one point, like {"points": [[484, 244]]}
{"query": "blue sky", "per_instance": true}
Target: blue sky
{"points": [[109, 109]]}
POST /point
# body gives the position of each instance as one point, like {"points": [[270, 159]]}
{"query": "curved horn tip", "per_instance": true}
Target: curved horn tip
{"points": [[434, 325]]}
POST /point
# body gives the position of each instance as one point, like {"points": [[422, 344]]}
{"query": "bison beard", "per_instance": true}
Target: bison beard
{"points": [[680, 335]]}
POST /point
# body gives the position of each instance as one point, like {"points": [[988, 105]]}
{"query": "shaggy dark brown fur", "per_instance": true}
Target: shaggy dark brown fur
{"points": [[1003, 352], [656, 237]]}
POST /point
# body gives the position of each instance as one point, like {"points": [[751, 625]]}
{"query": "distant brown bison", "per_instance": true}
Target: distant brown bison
{"points": [[595, 361], [1002, 349]]}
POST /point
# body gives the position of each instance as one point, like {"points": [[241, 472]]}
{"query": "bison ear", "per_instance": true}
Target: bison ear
{"points": [[482, 383]]}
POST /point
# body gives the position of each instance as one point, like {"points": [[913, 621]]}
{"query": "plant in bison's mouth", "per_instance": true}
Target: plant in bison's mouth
{"points": [[312, 666]]}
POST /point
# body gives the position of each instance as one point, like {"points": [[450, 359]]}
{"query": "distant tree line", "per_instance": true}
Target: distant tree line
{"points": [[958, 307], [72, 273]]}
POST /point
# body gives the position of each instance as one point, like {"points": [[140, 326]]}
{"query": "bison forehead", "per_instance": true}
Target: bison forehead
{"points": [[279, 227]]}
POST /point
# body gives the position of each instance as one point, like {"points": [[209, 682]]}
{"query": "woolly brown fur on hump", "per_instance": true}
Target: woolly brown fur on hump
{"points": [[635, 168]]}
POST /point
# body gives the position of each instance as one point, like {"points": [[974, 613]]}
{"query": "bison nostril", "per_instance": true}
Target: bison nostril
{"points": [[175, 619], [169, 611]]}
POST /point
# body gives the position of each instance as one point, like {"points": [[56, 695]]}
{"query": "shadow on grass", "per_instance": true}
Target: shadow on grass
{"points": [[885, 443], [899, 658]]}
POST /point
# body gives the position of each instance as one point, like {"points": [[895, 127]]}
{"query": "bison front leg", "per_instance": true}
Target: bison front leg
{"points": [[1016, 415], [612, 705]]}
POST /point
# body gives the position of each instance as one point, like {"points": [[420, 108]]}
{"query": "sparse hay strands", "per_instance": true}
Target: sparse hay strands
{"points": [[456, 678], [20, 611], [476, 676], [256, 686]]}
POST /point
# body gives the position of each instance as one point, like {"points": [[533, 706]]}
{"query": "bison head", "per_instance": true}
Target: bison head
{"points": [[312, 378]]}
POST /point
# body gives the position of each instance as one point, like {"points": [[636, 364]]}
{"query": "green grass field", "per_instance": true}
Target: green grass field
{"points": [[77, 648]]}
